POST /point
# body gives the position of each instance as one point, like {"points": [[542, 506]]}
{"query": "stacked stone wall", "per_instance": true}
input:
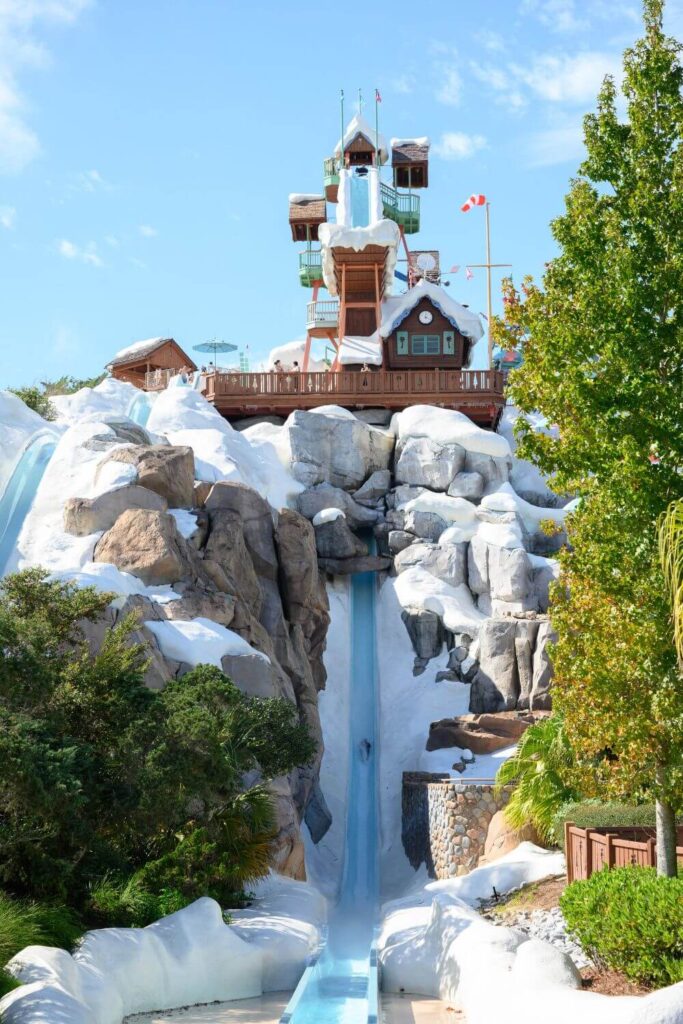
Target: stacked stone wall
{"points": [[445, 822]]}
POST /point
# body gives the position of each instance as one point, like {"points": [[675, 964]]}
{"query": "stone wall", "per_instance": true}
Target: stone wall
{"points": [[445, 822]]}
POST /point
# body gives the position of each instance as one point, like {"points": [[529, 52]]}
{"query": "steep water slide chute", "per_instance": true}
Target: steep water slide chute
{"points": [[19, 493]]}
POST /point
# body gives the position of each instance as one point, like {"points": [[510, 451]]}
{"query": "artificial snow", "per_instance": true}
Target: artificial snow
{"points": [[447, 426], [505, 499], [451, 509], [422, 140], [137, 348], [327, 515], [185, 521], [359, 126], [19, 425], [306, 197], [337, 236], [199, 641], [397, 308], [110, 397], [484, 766], [418, 589], [360, 350]]}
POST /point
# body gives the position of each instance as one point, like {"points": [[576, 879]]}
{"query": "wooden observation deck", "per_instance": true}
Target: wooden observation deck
{"points": [[477, 393]]}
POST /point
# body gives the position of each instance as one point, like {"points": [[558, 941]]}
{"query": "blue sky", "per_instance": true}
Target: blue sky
{"points": [[147, 148]]}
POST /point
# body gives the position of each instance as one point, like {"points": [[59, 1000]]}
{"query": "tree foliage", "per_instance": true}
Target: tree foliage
{"points": [[102, 775], [603, 350]]}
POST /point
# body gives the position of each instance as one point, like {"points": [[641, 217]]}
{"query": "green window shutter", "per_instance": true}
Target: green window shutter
{"points": [[449, 343], [402, 343]]}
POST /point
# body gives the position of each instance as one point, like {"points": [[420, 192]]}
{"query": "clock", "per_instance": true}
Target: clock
{"points": [[425, 317]]}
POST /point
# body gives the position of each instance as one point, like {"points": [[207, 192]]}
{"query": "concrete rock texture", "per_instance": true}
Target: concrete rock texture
{"points": [[342, 452]]}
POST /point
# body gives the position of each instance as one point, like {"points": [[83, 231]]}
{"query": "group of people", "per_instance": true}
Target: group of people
{"points": [[279, 368]]}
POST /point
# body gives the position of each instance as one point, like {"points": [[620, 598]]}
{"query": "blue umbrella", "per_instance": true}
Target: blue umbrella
{"points": [[215, 346]]}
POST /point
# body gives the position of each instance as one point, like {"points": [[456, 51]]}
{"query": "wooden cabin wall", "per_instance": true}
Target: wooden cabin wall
{"points": [[412, 325], [361, 322]]}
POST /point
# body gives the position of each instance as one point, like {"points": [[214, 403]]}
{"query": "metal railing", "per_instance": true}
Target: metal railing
{"points": [[322, 314], [310, 260], [404, 203], [331, 167]]}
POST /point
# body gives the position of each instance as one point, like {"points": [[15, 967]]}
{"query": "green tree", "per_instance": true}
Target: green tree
{"points": [[102, 775], [35, 399], [603, 349]]}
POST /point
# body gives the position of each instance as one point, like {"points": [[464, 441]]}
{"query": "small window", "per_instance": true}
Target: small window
{"points": [[425, 345]]}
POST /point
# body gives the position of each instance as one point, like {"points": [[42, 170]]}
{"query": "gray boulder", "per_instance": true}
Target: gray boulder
{"points": [[339, 450], [426, 525], [404, 493], [542, 578], [478, 566], [496, 685], [493, 469], [348, 566], [166, 469], [447, 563], [148, 545], [227, 560], [525, 643], [88, 515], [399, 540], [334, 539], [424, 463], [468, 485], [256, 517], [317, 817], [322, 496], [251, 674], [299, 581], [542, 669], [425, 631], [374, 488], [510, 575]]}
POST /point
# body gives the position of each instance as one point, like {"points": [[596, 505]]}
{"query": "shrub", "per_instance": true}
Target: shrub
{"points": [[37, 400], [535, 771], [129, 903], [631, 920], [594, 814]]}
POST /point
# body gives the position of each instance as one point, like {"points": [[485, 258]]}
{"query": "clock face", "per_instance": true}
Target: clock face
{"points": [[425, 317]]}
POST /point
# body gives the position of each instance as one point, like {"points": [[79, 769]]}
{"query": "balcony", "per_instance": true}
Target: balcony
{"points": [[401, 207], [331, 178], [310, 267], [322, 316]]}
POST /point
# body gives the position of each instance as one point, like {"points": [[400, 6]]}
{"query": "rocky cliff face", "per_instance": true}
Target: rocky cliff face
{"points": [[237, 563]]}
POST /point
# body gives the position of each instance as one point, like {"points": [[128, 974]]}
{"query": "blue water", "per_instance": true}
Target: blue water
{"points": [[360, 202], [140, 408], [18, 496], [339, 987]]}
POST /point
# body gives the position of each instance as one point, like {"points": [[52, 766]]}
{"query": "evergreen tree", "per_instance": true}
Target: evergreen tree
{"points": [[603, 349]]}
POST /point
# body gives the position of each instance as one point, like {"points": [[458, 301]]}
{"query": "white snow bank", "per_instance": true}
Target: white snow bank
{"points": [[189, 957], [106, 578], [417, 588], [505, 499], [450, 509], [446, 426], [357, 349], [397, 308], [383, 232], [433, 943], [110, 397], [293, 352], [334, 411], [199, 641], [222, 453], [484, 766], [18, 424], [305, 197], [285, 923], [185, 521], [421, 140], [327, 515]]}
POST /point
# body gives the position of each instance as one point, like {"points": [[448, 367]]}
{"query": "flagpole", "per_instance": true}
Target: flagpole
{"points": [[341, 154], [376, 128], [488, 285]]}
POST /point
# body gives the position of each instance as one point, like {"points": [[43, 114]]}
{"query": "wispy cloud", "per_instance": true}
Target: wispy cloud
{"points": [[449, 89], [491, 41], [147, 231], [458, 145], [571, 16], [90, 181], [403, 84], [567, 79], [20, 48], [83, 254], [8, 216], [560, 143]]}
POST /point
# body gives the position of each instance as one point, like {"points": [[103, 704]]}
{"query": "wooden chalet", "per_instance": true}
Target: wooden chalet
{"points": [[389, 351], [144, 361]]}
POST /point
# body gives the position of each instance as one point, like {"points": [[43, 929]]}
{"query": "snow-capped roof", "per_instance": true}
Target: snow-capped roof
{"points": [[359, 126], [139, 349], [396, 308], [306, 197], [422, 140], [383, 232], [361, 350]]}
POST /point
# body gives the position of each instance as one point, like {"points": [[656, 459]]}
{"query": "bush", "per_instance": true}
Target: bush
{"points": [[631, 920], [129, 903], [32, 924], [594, 814]]}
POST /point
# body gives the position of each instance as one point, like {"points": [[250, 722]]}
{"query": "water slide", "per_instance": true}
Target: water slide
{"points": [[340, 987], [18, 496], [140, 408]]}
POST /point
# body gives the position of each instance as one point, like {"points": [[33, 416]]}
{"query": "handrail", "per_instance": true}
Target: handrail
{"points": [[326, 311], [311, 258], [331, 166], [402, 202]]}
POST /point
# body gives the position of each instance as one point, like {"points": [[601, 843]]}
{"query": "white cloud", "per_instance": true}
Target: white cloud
{"points": [[449, 90], [566, 16], [112, 241], [458, 145], [561, 143], [147, 231], [90, 181], [19, 49], [567, 79], [403, 84], [86, 254], [492, 41], [8, 216]]}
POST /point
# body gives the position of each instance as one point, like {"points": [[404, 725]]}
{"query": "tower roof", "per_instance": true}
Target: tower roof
{"points": [[359, 126], [396, 308]]}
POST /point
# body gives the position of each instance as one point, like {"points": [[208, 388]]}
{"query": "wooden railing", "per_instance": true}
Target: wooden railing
{"points": [[354, 384], [590, 849]]}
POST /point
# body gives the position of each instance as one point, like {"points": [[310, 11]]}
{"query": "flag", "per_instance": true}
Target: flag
{"points": [[474, 200], [468, 274], [378, 98], [454, 269]]}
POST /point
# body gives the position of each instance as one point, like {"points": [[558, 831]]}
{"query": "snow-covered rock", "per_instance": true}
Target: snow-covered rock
{"points": [[329, 445]]}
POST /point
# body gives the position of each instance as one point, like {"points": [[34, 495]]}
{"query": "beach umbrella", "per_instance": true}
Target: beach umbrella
{"points": [[215, 347]]}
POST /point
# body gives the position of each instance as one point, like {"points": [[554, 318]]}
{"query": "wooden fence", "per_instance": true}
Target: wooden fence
{"points": [[591, 849]]}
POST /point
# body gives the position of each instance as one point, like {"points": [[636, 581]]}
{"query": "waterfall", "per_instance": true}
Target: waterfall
{"points": [[17, 498], [341, 986]]}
